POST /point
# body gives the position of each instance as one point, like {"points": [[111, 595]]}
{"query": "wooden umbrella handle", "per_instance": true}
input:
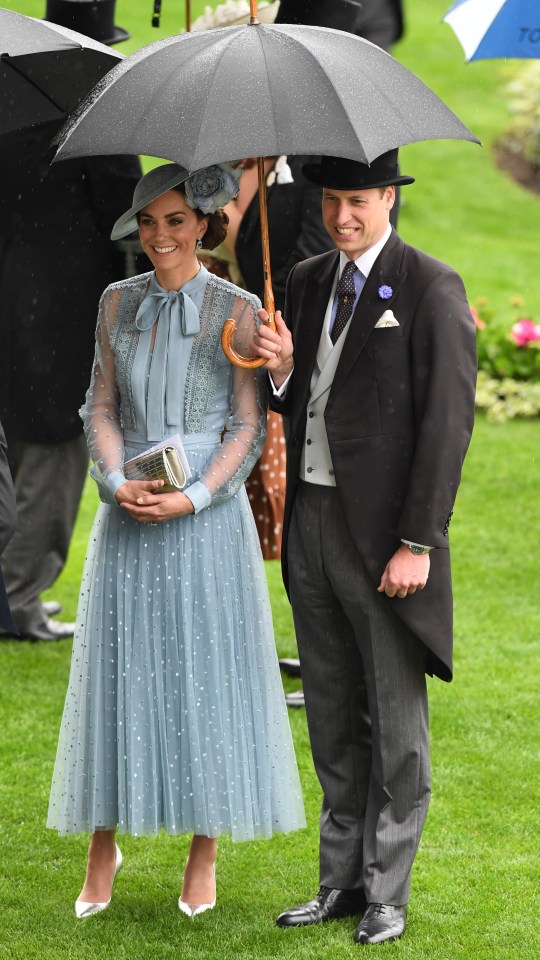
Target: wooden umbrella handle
{"points": [[229, 326]]}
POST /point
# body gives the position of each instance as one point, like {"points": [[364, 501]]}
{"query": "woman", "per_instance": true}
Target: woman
{"points": [[174, 715]]}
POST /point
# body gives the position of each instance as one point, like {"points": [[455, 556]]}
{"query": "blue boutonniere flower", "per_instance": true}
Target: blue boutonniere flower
{"points": [[212, 187], [385, 292]]}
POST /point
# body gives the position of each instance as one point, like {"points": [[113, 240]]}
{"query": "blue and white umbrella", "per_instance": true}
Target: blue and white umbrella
{"points": [[496, 28]]}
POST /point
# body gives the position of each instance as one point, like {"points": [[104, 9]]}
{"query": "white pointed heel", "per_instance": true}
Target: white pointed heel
{"points": [[192, 909], [83, 908]]}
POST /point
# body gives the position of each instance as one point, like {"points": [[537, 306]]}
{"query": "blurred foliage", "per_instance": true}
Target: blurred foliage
{"points": [[508, 362], [522, 135], [507, 399], [508, 348]]}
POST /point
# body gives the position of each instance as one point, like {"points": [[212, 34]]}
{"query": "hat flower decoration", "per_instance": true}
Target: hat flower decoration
{"points": [[212, 187]]}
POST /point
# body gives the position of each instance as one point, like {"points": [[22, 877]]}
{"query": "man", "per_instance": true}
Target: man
{"points": [[379, 21], [8, 519], [55, 260], [380, 399], [296, 230]]}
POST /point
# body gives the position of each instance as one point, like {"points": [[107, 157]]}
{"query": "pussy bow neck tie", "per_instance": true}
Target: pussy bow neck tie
{"points": [[178, 317]]}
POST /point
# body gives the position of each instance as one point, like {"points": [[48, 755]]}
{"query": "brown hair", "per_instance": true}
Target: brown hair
{"points": [[218, 222]]}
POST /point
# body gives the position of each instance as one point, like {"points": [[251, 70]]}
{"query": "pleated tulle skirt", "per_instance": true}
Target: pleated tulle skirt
{"points": [[175, 715]]}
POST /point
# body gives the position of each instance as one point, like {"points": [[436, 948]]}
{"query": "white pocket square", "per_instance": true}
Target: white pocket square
{"points": [[387, 320]]}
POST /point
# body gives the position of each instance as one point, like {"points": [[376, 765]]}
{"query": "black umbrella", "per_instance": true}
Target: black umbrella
{"points": [[45, 70], [258, 90]]}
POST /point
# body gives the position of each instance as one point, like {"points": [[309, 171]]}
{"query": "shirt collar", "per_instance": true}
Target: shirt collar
{"points": [[194, 287], [366, 260]]}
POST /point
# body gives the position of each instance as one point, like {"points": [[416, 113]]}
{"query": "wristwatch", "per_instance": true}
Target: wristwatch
{"points": [[417, 548]]}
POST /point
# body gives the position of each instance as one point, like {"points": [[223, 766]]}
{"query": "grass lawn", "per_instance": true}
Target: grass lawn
{"points": [[476, 876], [475, 883]]}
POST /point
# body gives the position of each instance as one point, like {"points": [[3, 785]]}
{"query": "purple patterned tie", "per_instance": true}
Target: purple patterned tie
{"points": [[346, 294]]}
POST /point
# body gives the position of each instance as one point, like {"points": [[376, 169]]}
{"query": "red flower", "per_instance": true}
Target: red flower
{"points": [[524, 332], [479, 324]]}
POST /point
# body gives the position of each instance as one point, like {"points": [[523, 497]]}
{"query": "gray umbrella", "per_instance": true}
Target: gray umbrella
{"points": [[45, 70], [255, 90]]}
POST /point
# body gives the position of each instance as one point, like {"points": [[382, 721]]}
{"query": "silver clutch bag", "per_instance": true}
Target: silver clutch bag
{"points": [[162, 464]]}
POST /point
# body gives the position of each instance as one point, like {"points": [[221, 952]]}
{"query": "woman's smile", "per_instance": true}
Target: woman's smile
{"points": [[161, 250], [169, 231]]}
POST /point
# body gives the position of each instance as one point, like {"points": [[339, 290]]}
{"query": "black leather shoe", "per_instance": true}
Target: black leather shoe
{"points": [[49, 630], [381, 922], [51, 607], [295, 699], [329, 904], [290, 666]]}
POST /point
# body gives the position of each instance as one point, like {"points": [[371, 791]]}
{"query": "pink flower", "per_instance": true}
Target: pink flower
{"points": [[524, 332], [479, 324]]}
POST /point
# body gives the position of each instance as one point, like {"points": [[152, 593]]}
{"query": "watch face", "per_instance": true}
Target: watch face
{"points": [[418, 550]]}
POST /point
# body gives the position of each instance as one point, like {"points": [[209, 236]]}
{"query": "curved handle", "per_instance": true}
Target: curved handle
{"points": [[229, 326], [247, 363]]}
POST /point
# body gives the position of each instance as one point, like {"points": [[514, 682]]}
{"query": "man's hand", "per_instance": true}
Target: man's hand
{"points": [[405, 573], [144, 501], [276, 347]]}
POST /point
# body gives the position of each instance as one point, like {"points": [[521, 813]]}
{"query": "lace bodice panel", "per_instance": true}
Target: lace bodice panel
{"points": [[217, 398]]}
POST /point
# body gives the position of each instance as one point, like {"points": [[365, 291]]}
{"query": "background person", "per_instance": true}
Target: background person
{"points": [[55, 256], [180, 722], [296, 232], [8, 520], [379, 21], [381, 408]]}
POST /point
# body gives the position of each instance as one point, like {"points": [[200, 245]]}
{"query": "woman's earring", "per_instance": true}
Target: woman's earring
{"points": [[199, 243]]}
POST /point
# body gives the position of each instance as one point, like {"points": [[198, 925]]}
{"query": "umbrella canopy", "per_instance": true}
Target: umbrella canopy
{"points": [[258, 89], [496, 28], [45, 70]]}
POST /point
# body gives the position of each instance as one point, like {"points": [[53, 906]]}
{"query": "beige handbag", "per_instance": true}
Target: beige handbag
{"points": [[162, 464]]}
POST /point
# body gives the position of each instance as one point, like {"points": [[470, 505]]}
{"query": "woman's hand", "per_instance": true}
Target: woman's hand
{"points": [[275, 346], [144, 501]]}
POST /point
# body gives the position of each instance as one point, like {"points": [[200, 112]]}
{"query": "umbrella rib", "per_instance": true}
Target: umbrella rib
{"points": [[338, 96], [267, 74], [11, 63], [210, 85]]}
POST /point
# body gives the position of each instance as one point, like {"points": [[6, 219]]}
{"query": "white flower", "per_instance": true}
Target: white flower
{"points": [[224, 13], [212, 187], [283, 170]]}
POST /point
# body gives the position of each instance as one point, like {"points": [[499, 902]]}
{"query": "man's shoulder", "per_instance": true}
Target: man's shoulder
{"points": [[416, 260], [314, 264]]}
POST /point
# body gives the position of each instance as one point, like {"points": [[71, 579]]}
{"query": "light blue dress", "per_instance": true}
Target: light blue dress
{"points": [[175, 715]]}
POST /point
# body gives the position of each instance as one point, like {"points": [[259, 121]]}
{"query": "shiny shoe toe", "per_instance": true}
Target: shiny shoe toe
{"points": [[85, 909], [329, 904], [48, 630], [381, 921], [193, 909], [51, 607]]}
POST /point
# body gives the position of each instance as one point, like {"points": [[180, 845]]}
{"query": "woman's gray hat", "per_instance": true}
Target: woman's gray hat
{"points": [[337, 173], [149, 188]]}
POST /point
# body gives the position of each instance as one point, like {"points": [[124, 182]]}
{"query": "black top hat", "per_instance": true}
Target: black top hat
{"points": [[338, 14], [94, 18], [340, 174]]}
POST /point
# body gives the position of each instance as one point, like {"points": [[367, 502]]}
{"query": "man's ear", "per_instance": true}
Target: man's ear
{"points": [[390, 197]]}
